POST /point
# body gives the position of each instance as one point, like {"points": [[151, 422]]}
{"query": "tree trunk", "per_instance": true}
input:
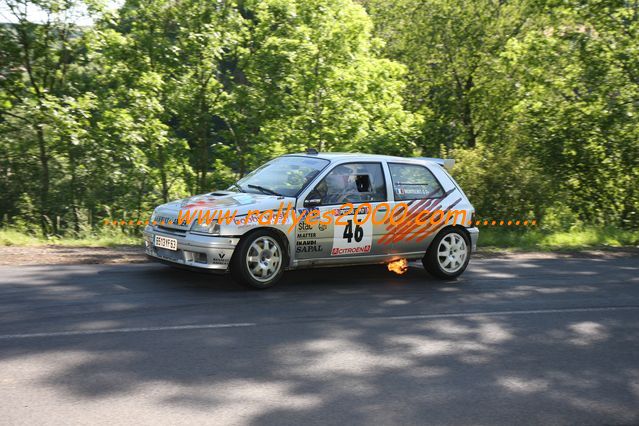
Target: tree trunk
{"points": [[163, 178], [74, 195], [467, 116], [204, 149], [467, 119], [44, 180], [139, 200]]}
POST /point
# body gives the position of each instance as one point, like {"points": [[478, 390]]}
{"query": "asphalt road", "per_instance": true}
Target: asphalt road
{"points": [[527, 341]]}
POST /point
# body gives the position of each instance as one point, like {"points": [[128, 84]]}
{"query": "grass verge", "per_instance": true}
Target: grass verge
{"points": [[104, 238], [542, 240]]}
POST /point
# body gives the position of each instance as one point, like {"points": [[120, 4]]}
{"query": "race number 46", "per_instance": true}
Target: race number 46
{"points": [[352, 238]]}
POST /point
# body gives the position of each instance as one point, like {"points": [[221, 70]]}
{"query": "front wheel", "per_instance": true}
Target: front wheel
{"points": [[448, 255], [258, 261]]}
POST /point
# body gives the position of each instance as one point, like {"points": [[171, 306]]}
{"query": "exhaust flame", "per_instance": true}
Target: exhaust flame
{"points": [[398, 266]]}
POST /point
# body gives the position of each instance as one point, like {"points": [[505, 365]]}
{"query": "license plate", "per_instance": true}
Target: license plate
{"points": [[167, 243]]}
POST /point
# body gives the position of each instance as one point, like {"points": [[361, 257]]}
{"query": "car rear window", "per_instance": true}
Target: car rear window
{"points": [[412, 181]]}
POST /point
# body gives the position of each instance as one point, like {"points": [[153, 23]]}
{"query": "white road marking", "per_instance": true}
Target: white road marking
{"points": [[251, 324], [526, 312], [125, 330]]}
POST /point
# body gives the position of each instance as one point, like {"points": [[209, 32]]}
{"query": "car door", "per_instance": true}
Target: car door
{"points": [[417, 195], [347, 207]]}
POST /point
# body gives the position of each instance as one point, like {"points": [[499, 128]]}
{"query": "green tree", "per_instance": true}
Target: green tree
{"points": [[37, 61], [318, 69], [577, 107], [451, 49]]}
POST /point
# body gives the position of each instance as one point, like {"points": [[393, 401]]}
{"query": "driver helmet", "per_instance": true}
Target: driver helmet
{"points": [[337, 181]]}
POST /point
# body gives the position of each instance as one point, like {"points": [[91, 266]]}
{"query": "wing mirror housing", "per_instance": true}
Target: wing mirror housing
{"points": [[312, 202]]}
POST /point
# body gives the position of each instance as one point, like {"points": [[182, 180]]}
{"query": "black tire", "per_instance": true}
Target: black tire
{"points": [[243, 274], [434, 257]]}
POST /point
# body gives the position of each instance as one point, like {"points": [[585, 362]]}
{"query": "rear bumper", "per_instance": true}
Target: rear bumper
{"points": [[193, 251], [474, 236]]}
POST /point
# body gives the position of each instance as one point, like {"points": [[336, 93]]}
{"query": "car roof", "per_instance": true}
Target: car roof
{"points": [[335, 156], [344, 157]]}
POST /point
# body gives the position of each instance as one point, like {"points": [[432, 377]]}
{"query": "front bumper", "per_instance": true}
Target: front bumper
{"points": [[199, 251], [474, 236]]}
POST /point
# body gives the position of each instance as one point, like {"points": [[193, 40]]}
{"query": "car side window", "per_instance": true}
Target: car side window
{"points": [[351, 183], [412, 181]]}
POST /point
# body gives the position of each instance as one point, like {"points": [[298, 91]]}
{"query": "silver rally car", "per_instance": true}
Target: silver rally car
{"points": [[320, 209]]}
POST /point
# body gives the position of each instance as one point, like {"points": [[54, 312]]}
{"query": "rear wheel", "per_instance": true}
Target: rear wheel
{"points": [[258, 261], [448, 255]]}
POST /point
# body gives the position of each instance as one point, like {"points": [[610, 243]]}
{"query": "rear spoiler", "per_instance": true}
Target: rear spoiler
{"points": [[446, 163]]}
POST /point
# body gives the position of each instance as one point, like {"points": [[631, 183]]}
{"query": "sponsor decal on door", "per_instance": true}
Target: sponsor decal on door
{"points": [[352, 235]]}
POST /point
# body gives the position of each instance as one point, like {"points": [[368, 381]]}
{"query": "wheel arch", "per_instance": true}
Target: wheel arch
{"points": [[281, 238], [460, 228]]}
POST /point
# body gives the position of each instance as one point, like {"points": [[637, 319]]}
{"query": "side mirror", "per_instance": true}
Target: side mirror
{"points": [[312, 202]]}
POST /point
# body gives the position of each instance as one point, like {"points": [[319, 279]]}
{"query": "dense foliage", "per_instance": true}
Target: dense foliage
{"points": [[537, 100]]}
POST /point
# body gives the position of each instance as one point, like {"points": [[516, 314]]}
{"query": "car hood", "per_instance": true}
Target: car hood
{"points": [[239, 202]]}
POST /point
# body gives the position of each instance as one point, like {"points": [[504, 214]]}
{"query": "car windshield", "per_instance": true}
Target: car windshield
{"points": [[282, 176]]}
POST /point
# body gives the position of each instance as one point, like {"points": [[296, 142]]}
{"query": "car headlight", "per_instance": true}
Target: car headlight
{"points": [[212, 228]]}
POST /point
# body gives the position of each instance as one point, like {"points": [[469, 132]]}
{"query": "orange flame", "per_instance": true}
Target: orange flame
{"points": [[398, 266]]}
